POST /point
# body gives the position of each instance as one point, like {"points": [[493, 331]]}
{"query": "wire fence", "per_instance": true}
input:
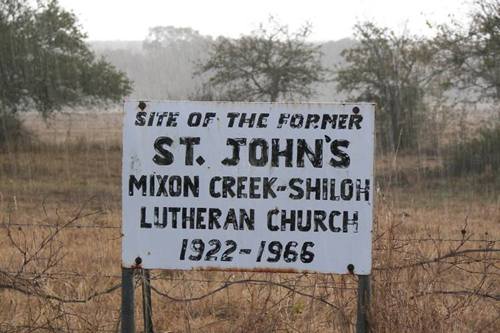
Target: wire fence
{"points": [[60, 271], [489, 247], [410, 267], [407, 239], [473, 256]]}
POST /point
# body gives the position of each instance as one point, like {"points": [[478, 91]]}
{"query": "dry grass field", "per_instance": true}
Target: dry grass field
{"points": [[435, 246]]}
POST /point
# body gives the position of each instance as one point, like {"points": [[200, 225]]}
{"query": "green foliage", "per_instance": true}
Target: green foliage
{"points": [[45, 63], [267, 65], [479, 155], [471, 54], [393, 71]]}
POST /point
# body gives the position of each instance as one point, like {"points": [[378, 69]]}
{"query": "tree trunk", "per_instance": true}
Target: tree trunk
{"points": [[395, 130]]}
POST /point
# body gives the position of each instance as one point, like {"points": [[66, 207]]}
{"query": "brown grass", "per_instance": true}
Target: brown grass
{"points": [[75, 170]]}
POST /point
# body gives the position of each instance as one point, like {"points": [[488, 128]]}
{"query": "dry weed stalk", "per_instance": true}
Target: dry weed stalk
{"points": [[61, 274], [34, 271]]}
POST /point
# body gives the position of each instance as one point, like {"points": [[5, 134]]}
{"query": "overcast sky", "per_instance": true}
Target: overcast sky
{"points": [[331, 19]]}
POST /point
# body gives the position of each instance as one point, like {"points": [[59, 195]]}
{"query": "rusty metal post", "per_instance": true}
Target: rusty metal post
{"points": [[362, 323], [128, 301], [146, 301]]}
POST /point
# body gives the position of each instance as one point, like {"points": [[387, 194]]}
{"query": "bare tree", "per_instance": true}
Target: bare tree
{"points": [[472, 52]]}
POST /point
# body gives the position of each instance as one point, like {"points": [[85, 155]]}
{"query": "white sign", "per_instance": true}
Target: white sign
{"points": [[248, 186]]}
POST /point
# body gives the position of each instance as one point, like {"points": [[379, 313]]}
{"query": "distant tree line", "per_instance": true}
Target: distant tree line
{"points": [[168, 63], [404, 74], [45, 64]]}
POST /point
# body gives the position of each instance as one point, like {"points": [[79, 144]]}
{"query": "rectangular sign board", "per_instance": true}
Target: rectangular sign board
{"points": [[248, 186]]}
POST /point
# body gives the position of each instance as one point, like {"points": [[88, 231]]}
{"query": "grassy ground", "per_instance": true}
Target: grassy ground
{"points": [[430, 274]]}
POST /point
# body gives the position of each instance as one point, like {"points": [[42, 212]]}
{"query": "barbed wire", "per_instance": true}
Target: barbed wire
{"points": [[293, 288], [55, 226], [94, 226], [330, 284], [438, 259], [292, 285], [31, 328], [429, 239], [245, 281], [159, 277], [62, 274], [41, 294], [345, 285]]}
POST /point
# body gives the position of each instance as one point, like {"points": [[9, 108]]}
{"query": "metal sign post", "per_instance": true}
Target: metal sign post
{"points": [[362, 323], [147, 309], [128, 301]]}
